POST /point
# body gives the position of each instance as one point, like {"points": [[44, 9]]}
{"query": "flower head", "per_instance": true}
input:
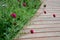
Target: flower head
{"points": [[44, 12], [24, 4], [13, 15], [54, 15], [31, 31]]}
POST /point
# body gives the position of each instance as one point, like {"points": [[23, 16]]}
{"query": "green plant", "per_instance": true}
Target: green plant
{"points": [[14, 14]]}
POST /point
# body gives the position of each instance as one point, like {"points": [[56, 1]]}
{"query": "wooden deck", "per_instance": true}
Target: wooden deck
{"points": [[45, 26]]}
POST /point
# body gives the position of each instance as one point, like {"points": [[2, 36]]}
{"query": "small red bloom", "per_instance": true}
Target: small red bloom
{"points": [[31, 31], [44, 12], [13, 15], [24, 4], [54, 15]]}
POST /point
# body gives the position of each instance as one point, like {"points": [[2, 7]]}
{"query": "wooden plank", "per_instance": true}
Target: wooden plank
{"points": [[45, 26]]}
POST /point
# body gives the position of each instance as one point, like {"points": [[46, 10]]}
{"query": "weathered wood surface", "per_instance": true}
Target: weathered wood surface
{"points": [[45, 26]]}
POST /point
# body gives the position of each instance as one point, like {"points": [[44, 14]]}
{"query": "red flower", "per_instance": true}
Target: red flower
{"points": [[13, 15], [24, 4], [54, 15], [32, 31], [44, 12]]}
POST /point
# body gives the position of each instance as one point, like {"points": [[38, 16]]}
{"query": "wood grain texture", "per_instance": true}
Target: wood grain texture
{"points": [[45, 26]]}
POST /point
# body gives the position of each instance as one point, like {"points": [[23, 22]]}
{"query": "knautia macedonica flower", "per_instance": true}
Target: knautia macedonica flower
{"points": [[24, 4], [44, 12], [13, 15], [54, 15], [31, 31]]}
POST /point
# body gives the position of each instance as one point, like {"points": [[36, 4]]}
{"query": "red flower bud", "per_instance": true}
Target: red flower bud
{"points": [[44, 12], [31, 31], [24, 4], [13, 15], [54, 15]]}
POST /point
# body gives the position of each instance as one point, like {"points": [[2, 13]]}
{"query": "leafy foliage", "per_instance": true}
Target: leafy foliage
{"points": [[14, 14]]}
